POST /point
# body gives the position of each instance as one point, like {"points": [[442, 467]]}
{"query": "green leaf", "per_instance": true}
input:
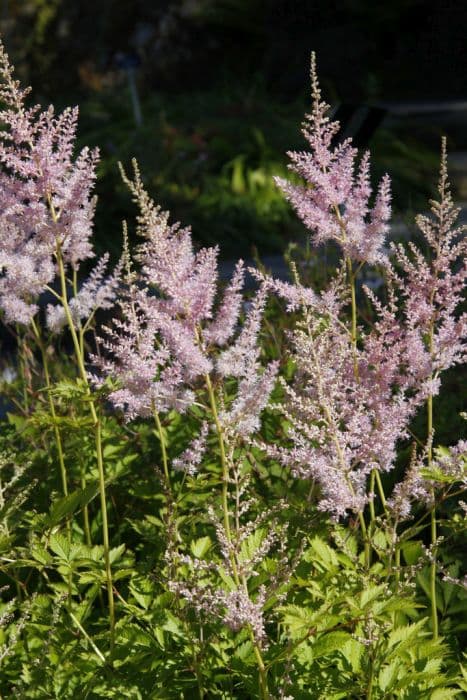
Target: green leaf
{"points": [[143, 591], [68, 504], [388, 675], [353, 651], [40, 554], [299, 620], [412, 551], [403, 636], [370, 594], [116, 553], [444, 694], [200, 547], [329, 643], [63, 507], [245, 653], [324, 553], [60, 546]]}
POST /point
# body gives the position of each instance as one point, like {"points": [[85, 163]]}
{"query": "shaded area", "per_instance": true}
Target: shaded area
{"points": [[209, 94]]}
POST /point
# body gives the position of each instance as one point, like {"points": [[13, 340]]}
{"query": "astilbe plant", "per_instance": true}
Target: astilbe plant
{"points": [[249, 549], [357, 388], [46, 227]]}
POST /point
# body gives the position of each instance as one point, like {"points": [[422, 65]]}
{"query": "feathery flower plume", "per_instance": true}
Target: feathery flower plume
{"points": [[433, 287], [341, 425], [335, 201], [168, 334], [191, 458], [241, 357], [186, 280], [222, 327], [45, 197], [97, 292], [148, 377]]}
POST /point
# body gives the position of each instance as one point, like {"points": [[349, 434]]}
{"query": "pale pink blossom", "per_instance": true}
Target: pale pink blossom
{"points": [[46, 206], [97, 292], [334, 202], [191, 458]]}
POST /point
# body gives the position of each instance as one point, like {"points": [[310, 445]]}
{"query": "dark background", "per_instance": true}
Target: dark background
{"points": [[223, 85]]}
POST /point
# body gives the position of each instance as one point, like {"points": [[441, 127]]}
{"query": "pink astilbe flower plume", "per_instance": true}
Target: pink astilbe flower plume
{"points": [[191, 458], [222, 327], [148, 377], [242, 360], [334, 202], [343, 425], [187, 280], [170, 329], [97, 292], [352, 401], [45, 197], [433, 287]]}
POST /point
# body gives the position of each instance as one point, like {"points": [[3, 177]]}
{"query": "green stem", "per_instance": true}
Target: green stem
{"points": [[23, 368], [58, 439], [239, 580], [372, 498], [225, 467], [94, 646], [434, 607], [165, 461], [379, 484], [98, 443], [353, 301], [58, 442], [369, 690], [86, 524], [397, 562]]}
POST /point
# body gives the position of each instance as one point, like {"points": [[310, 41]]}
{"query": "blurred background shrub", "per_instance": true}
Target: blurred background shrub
{"points": [[208, 95]]}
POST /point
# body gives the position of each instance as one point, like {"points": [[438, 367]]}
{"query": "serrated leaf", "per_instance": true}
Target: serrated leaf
{"points": [[143, 591], [245, 652], [353, 651], [172, 625], [444, 694], [67, 505], [60, 546], [325, 554], [403, 636], [370, 594], [62, 507], [388, 675], [135, 634], [40, 554], [200, 547], [330, 643], [299, 620], [412, 551], [116, 553]]}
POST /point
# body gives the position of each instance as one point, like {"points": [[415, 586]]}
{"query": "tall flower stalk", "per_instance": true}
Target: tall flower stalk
{"points": [[433, 289], [45, 228], [97, 427]]}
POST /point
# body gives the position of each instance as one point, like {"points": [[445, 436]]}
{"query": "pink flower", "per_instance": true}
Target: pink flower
{"points": [[334, 202], [45, 197]]}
